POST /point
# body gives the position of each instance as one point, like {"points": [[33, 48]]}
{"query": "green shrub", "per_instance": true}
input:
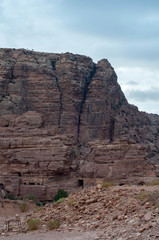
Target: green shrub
{"points": [[60, 200], [60, 194], [10, 196], [53, 224], [33, 224], [107, 184], [24, 207], [41, 204]]}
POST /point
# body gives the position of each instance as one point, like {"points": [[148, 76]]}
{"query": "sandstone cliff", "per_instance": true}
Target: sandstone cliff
{"points": [[64, 118]]}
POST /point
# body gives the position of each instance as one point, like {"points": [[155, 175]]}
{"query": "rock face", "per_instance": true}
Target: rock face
{"points": [[64, 121]]}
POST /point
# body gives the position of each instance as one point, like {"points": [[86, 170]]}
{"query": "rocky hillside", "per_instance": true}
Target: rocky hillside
{"points": [[118, 212], [64, 122]]}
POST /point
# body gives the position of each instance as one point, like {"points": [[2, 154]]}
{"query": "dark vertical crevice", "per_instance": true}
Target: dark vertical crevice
{"points": [[36, 59], [5, 84], [111, 129], [53, 64], [85, 91], [60, 101], [11, 77]]}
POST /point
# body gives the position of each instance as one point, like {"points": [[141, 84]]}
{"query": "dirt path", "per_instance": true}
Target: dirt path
{"points": [[54, 235]]}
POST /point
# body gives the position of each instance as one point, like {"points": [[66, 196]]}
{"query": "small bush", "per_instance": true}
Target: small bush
{"points": [[107, 184], [71, 202], [24, 207], [143, 195], [38, 204], [33, 224], [154, 198], [41, 204], [39, 209], [44, 203], [10, 196], [53, 224], [60, 194], [154, 183], [31, 197], [20, 198], [60, 200]]}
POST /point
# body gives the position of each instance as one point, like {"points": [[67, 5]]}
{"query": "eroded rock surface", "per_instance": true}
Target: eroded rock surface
{"points": [[65, 118]]}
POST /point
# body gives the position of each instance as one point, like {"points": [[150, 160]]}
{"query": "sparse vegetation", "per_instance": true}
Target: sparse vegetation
{"points": [[114, 201], [154, 198], [33, 224], [38, 204], [71, 202], [10, 196], [39, 209], [60, 194], [60, 200], [143, 195], [53, 224], [107, 184], [31, 197], [41, 204], [24, 207], [154, 183]]}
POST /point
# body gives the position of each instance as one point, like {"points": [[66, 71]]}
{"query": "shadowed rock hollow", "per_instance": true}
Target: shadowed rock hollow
{"points": [[64, 122]]}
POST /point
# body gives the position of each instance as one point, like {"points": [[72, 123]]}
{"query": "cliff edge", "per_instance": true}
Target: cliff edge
{"points": [[65, 122]]}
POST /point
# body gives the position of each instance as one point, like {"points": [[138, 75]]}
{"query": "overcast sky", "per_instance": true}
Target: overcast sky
{"points": [[126, 32]]}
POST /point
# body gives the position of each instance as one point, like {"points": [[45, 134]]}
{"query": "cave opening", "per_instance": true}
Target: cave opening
{"points": [[31, 183], [1, 186], [19, 174], [80, 183]]}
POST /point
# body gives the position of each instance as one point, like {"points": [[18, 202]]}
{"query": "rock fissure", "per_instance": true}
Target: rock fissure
{"points": [[85, 91], [11, 78], [111, 130], [12, 75], [60, 101], [116, 142], [53, 64]]}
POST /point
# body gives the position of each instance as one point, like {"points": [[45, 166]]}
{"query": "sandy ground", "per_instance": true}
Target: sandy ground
{"points": [[54, 235]]}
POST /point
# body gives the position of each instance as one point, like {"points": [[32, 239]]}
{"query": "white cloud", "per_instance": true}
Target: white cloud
{"points": [[125, 35], [141, 87]]}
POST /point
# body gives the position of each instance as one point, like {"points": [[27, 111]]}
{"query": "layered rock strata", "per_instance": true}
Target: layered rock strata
{"points": [[65, 120]]}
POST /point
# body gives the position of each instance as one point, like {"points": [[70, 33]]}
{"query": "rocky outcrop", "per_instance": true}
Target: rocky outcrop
{"points": [[65, 120], [117, 212], [32, 158], [120, 161]]}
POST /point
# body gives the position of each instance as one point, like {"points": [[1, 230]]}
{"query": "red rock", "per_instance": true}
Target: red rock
{"points": [[64, 118]]}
